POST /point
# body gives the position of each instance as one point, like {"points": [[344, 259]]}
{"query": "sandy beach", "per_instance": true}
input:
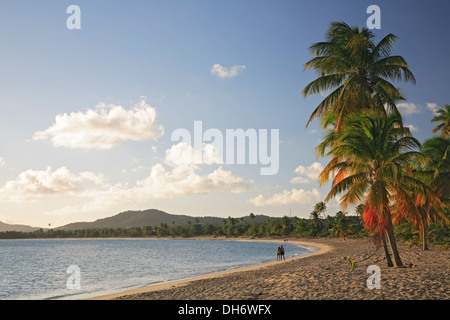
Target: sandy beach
{"points": [[325, 275]]}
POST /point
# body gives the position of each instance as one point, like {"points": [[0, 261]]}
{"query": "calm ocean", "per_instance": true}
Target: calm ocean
{"points": [[38, 269]]}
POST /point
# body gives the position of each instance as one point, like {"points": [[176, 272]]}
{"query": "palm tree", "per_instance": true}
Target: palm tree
{"points": [[341, 225], [286, 225], [370, 155], [321, 207], [443, 116], [437, 149], [252, 217], [359, 210], [356, 71], [232, 221], [436, 173], [315, 219]]}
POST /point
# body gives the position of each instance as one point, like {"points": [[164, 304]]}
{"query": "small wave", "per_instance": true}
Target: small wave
{"points": [[233, 268]]}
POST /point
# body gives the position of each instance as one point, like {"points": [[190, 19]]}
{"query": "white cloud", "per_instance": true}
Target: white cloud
{"points": [[182, 153], [223, 72], [180, 180], [307, 174], [2, 162], [287, 197], [411, 128], [298, 180], [183, 178], [33, 183], [304, 175], [103, 127], [433, 107], [407, 108], [166, 180]]}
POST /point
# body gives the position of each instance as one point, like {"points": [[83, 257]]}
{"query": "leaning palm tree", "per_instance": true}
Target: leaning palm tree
{"points": [[443, 117], [369, 157], [355, 73]]}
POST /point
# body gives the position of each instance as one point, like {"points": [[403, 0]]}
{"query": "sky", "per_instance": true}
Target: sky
{"points": [[90, 118]]}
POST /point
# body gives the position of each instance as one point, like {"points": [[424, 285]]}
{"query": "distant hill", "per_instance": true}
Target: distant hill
{"points": [[16, 227], [151, 217]]}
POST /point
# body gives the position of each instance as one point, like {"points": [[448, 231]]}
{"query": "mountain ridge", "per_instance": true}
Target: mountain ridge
{"points": [[5, 227], [150, 217]]}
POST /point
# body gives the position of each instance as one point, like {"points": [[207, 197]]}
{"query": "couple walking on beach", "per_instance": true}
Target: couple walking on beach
{"points": [[280, 253]]}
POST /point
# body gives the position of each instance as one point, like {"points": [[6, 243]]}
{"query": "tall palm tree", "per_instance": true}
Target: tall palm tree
{"points": [[370, 155], [315, 219], [356, 71], [436, 173], [443, 117], [321, 207]]}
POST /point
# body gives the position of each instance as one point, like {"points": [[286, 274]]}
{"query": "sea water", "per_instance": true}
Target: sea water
{"points": [[38, 269]]}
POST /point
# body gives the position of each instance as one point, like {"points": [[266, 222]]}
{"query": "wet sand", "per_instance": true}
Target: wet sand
{"points": [[325, 275]]}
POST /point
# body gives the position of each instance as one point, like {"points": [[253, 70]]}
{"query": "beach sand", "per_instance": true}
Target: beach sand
{"points": [[324, 275]]}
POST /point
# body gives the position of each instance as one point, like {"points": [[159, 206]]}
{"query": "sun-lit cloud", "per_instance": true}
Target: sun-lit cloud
{"points": [[299, 196], [185, 180], [177, 175], [32, 184], [408, 108], [223, 72], [433, 107], [299, 180], [103, 127], [307, 174], [411, 127], [91, 191], [2, 162], [182, 153]]}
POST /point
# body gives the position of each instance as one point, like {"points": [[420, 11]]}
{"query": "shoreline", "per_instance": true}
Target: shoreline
{"points": [[323, 275], [321, 249]]}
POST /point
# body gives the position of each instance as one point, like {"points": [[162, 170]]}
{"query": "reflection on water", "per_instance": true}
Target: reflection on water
{"points": [[38, 269]]}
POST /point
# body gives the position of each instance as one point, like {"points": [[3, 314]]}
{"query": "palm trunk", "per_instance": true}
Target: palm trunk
{"points": [[424, 236], [392, 241], [386, 252]]}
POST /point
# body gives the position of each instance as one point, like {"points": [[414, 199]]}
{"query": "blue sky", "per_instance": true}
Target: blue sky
{"points": [[155, 58]]}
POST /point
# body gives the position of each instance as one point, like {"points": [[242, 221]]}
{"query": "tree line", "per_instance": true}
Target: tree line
{"points": [[318, 225]]}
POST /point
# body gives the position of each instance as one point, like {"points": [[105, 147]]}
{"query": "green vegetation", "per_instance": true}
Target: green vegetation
{"points": [[351, 263], [376, 163], [443, 120], [339, 226]]}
